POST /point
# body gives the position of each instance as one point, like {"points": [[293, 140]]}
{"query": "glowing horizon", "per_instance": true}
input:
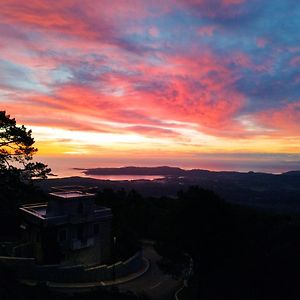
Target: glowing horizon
{"points": [[148, 80]]}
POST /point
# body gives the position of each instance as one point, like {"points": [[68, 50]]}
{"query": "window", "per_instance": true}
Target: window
{"points": [[80, 233], [23, 226], [62, 236], [80, 208], [96, 228]]}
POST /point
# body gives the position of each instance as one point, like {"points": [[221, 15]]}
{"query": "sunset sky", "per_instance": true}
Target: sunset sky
{"points": [[155, 82]]}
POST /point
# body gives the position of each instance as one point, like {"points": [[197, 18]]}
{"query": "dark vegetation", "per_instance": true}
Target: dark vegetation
{"points": [[16, 172], [17, 150], [239, 253], [13, 193]]}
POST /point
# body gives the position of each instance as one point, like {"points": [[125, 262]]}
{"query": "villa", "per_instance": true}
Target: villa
{"points": [[68, 240], [69, 229]]}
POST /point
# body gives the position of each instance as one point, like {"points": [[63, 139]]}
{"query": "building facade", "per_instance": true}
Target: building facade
{"points": [[70, 229]]}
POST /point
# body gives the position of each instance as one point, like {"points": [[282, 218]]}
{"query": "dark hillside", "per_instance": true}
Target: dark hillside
{"points": [[278, 193]]}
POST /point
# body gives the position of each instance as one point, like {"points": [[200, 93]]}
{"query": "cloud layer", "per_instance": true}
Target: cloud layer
{"points": [[196, 75]]}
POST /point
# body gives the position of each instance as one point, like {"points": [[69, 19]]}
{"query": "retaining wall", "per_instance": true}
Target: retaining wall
{"points": [[26, 268]]}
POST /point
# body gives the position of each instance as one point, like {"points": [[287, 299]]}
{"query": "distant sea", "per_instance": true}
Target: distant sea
{"points": [[66, 166]]}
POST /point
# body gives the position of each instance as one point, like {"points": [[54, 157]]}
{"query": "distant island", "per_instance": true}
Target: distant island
{"points": [[273, 192], [165, 171], [132, 170]]}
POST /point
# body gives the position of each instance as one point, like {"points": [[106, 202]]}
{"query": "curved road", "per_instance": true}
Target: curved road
{"points": [[154, 283]]}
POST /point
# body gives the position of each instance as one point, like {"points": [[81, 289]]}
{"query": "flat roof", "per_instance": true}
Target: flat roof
{"points": [[71, 194], [39, 211]]}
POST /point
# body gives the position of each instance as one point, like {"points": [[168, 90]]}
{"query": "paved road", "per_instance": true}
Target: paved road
{"points": [[154, 282]]}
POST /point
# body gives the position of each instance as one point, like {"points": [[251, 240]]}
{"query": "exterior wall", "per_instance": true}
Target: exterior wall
{"points": [[27, 269], [63, 231], [70, 207], [93, 248], [31, 234], [105, 240]]}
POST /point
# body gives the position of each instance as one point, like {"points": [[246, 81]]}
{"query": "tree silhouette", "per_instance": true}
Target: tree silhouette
{"points": [[17, 150]]}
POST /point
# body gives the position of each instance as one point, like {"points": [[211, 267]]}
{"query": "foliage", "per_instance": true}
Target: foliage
{"points": [[16, 173], [17, 150], [247, 254], [238, 252]]}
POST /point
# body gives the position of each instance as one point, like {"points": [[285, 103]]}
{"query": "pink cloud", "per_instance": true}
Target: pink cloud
{"points": [[242, 60], [232, 2], [214, 8], [194, 86], [196, 89], [285, 119], [153, 31], [193, 89], [295, 61], [100, 21], [261, 42], [206, 30], [90, 19], [189, 87]]}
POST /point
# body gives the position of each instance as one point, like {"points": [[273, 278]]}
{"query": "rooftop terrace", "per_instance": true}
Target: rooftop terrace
{"points": [[38, 210]]}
